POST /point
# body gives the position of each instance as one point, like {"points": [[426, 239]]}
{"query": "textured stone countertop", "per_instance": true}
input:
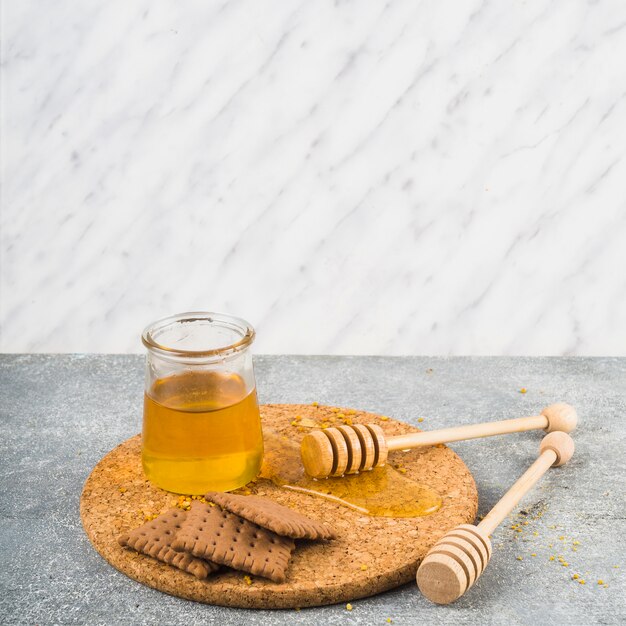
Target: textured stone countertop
{"points": [[59, 414]]}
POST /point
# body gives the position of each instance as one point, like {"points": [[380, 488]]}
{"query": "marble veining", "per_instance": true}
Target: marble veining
{"points": [[352, 177]]}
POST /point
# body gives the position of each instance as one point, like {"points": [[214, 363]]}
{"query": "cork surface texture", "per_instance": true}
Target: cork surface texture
{"points": [[369, 556]]}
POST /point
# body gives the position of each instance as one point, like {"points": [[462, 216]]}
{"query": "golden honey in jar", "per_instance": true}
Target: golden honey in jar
{"points": [[201, 423]]}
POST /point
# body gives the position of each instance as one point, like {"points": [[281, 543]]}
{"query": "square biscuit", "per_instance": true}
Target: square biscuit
{"points": [[273, 516], [154, 538], [221, 537]]}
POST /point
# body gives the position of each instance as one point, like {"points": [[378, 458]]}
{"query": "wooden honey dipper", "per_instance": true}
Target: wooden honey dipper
{"points": [[351, 449], [456, 561]]}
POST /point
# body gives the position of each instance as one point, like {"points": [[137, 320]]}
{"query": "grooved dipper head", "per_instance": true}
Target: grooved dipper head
{"points": [[343, 450]]}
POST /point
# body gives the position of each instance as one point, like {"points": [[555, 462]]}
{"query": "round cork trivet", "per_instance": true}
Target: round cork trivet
{"points": [[370, 555]]}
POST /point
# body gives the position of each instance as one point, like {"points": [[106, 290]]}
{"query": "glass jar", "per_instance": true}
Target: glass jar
{"points": [[201, 421]]}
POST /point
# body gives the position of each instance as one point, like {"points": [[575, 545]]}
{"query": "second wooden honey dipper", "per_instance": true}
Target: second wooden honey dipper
{"points": [[457, 560], [351, 449]]}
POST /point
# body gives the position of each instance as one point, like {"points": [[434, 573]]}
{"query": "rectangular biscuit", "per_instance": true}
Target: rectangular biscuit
{"points": [[155, 537], [273, 516], [219, 536]]}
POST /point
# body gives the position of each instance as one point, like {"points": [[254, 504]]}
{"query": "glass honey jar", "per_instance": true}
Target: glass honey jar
{"points": [[201, 421]]}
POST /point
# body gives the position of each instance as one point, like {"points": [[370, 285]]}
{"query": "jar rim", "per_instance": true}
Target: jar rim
{"points": [[237, 324]]}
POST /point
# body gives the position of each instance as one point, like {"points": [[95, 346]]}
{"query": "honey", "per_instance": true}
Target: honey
{"points": [[381, 492], [201, 432]]}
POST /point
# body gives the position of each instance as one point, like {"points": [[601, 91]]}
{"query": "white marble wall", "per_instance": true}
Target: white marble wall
{"points": [[392, 177]]}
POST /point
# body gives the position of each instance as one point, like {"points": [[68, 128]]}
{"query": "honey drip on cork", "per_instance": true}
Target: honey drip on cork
{"points": [[381, 492]]}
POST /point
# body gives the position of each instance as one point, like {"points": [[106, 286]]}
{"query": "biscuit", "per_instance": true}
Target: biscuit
{"points": [[273, 516], [222, 537], [155, 537]]}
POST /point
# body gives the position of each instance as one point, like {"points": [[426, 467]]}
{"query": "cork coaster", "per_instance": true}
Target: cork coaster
{"points": [[370, 554]]}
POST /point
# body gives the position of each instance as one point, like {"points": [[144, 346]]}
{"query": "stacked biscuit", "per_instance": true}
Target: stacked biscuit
{"points": [[246, 533]]}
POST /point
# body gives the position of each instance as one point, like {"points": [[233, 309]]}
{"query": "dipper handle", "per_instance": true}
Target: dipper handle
{"points": [[556, 417], [556, 449]]}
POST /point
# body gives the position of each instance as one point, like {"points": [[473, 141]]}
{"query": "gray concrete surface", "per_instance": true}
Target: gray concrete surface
{"points": [[60, 414]]}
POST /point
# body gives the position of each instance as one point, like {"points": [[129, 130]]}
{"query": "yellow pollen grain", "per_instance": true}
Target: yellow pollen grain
{"points": [[519, 558], [384, 418], [575, 576], [340, 415], [523, 390], [551, 558], [363, 567], [420, 419], [315, 403], [600, 582], [348, 607], [533, 554], [581, 581], [248, 580]]}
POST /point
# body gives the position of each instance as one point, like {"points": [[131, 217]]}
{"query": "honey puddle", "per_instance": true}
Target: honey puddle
{"points": [[381, 492]]}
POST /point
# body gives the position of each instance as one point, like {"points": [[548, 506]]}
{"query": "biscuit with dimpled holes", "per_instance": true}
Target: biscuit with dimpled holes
{"points": [[155, 537], [273, 516], [222, 537]]}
